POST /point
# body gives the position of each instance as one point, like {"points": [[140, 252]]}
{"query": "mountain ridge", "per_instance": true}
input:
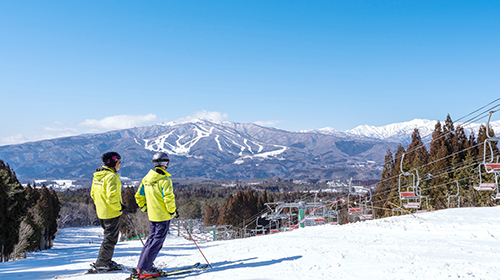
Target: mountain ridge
{"points": [[207, 149], [400, 132], [200, 149]]}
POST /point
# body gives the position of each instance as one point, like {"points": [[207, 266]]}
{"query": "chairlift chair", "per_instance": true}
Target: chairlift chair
{"points": [[490, 166], [367, 208], [410, 197]]}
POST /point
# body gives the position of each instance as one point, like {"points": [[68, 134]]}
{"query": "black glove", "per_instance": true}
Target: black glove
{"points": [[175, 214], [124, 208]]}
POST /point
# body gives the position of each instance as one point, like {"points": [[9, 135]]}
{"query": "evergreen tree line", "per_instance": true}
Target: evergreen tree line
{"points": [[449, 163], [237, 209], [28, 219], [77, 209]]}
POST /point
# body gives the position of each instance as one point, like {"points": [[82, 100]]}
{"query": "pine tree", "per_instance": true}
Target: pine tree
{"points": [[459, 143], [249, 207], [448, 133], [32, 194], [13, 206], [211, 215], [393, 200], [35, 238], [262, 200], [46, 213], [190, 208], [224, 211], [384, 189], [466, 178], [472, 145], [417, 154], [439, 168], [128, 199], [56, 208]]}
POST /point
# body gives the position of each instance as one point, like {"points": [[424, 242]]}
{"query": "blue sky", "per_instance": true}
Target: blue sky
{"points": [[72, 67]]}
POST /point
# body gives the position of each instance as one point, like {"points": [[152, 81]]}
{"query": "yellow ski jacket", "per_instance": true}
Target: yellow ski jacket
{"points": [[156, 194], [106, 192]]}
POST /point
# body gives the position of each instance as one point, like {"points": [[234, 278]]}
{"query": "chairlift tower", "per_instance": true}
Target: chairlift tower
{"points": [[277, 208]]}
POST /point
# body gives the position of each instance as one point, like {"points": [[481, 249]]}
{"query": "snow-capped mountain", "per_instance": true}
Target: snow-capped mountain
{"points": [[202, 149], [220, 150], [400, 132], [395, 132]]}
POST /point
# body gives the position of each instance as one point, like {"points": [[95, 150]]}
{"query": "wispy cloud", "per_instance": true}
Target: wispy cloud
{"points": [[15, 139], [60, 129], [63, 130], [267, 123], [120, 122], [203, 114]]}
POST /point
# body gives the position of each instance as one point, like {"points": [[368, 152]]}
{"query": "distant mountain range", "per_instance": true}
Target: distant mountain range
{"points": [[205, 149], [399, 132]]}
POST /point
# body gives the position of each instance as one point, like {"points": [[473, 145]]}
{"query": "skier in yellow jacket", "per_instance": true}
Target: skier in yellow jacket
{"points": [[156, 196], [107, 195]]}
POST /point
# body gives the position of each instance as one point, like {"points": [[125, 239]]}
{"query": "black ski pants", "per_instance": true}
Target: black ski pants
{"points": [[111, 231]]}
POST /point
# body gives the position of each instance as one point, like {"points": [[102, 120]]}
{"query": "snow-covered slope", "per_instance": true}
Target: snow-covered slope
{"points": [[448, 244]]}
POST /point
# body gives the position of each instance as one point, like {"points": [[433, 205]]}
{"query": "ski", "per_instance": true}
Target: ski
{"points": [[198, 268], [123, 268], [179, 271]]}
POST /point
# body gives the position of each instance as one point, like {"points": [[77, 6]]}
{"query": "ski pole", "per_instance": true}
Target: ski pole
{"points": [[135, 229], [190, 236]]}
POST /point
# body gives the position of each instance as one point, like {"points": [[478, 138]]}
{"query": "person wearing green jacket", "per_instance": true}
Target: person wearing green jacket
{"points": [[155, 196], [106, 192]]}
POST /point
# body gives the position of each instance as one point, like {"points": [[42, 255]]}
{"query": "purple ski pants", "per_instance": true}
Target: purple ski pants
{"points": [[157, 234]]}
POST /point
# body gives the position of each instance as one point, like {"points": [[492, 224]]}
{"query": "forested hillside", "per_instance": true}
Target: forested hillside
{"points": [[28, 219], [445, 173]]}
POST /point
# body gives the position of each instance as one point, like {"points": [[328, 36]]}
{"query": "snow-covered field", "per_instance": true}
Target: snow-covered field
{"points": [[449, 244]]}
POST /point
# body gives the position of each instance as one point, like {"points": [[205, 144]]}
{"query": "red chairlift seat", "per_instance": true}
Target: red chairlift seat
{"points": [[408, 195], [492, 167], [485, 187], [358, 210], [415, 205]]}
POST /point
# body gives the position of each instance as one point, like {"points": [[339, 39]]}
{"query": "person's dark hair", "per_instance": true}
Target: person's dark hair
{"points": [[110, 159]]}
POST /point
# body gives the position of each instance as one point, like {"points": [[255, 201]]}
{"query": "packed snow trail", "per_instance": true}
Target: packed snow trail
{"points": [[453, 244]]}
